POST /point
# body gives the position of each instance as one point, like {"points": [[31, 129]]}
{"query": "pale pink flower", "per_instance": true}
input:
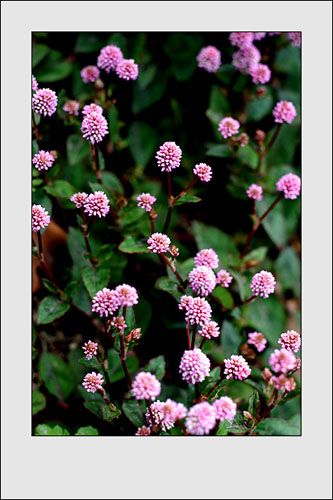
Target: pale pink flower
{"points": [[210, 329], [158, 243], [109, 58], [106, 302], [241, 39], [118, 322], [72, 107], [295, 37], [184, 302], [244, 59], [282, 361], [127, 69], [283, 383], [225, 408], [34, 84], [236, 367], [201, 419], [207, 257], [93, 382], [146, 201], [90, 349], [202, 280], [94, 127], [44, 102], [228, 127], [223, 278], [194, 366], [40, 218], [90, 74], [98, 204], [263, 284], [128, 295], [259, 35], [284, 111], [209, 58], [203, 171], [89, 108], [258, 340], [145, 386], [290, 340], [166, 414], [198, 311], [255, 192], [290, 184], [154, 416], [168, 156], [79, 199], [260, 73], [143, 431], [43, 160]]}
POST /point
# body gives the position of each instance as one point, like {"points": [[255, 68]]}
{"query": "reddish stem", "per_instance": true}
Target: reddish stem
{"points": [[188, 336], [96, 163]]}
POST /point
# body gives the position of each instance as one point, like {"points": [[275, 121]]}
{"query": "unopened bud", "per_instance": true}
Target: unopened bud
{"points": [[174, 251], [261, 92], [247, 415], [54, 154], [298, 363], [246, 351], [260, 136], [98, 84], [152, 214], [134, 334], [243, 139], [266, 374], [121, 202]]}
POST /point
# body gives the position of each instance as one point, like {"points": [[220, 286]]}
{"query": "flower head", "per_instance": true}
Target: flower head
{"points": [[168, 156], [118, 322], [158, 243], [258, 340], [290, 184], [98, 204], [109, 58], [245, 58], [127, 294], [209, 330], [282, 361], [295, 37], [127, 69], [203, 171], [209, 58], [284, 111], [223, 278], [40, 218], [90, 349], [202, 280], [207, 257], [200, 419], [263, 284], [94, 127], [93, 382], [228, 127], [225, 408], [290, 340], [89, 108], [241, 39], [184, 302], [146, 386], [44, 102], [194, 366], [260, 73], [165, 414], [259, 35], [34, 84], [72, 107], [43, 160], [90, 74], [146, 201], [255, 192], [283, 383], [79, 199], [106, 302], [236, 368], [198, 311], [143, 431]]}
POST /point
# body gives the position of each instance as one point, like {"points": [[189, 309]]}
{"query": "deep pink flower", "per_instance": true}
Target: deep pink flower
{"points": [[236, 367], [109, 58], [72, 107], [283, 383], [198, 311], [168, 156], [43, 160], [194, 366], [90, 349], [146, 201], [89, 108], [143, 431], [93, 382], [185, 300], [94, 127], [158, 243], [223, 278], [40, 218], [202, 280], [90, 74], [241, 39], [207, 257], [209, 58], [79, 199], [255, 192], [98, 204], [127, 69], [128, 295], [284, 111], [260, 73], [105, 302], [146, 386], [201, 419], [228, 127], [225, 408], [244, 59], [290, 340], [282, 361], [209, 330], [203, 171], [44, 102], [263, 284], [290, 184], [34, 84], [258, 340], [295, 37]]}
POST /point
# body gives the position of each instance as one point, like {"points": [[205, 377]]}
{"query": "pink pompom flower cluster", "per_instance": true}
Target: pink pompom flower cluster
{"points": [[96, 204], [146, 201], [284, 112], [283, 383], [40, 218], [44, 102], [207, 257], [168, 156], [223, 278], [282, 361], [254, 192], [258, 340], [225, 408], [72, 107], [89, 108], [194, 366], [143, 431], [93, 382], [34, 84], [209, 330], [145, 386], [260, 73], [79, 199], [165, 414], [127, 69], [241, 39], [159, 243], [90, 349], [236, 367], [109, 58], [228, 127], [295, 37], [244, 59], [209, 58], [198, 310], [263, 284], [43, 160], [90, 74], [201, 419], [202, 280], [127, 294], [290, 185], [94, 127], [203, 171], [106, 302], [290, 340]]}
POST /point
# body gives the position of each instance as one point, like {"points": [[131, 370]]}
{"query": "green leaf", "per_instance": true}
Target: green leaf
{"points": [[132, 411], [133, 244], [258, 108], [243, 284], [88, 42], [70, 289], [111, 181], [212, 237], [51, 308], [60, 188], [78, 149], [156, 366], [143, 142], [210, 381], [237, 426], [187, 199], [267, 316], [39, 51], [87, 431], [101, 410], [56, 375], [218, 101], [223, 428], [47, 430], [76, 245], [247, 156], [53, 68], [224, 296], [115, 369], [230, 339], [290, 395], [37, 182], [145, 97], [282, 221], [257, 255], [277, 427], [90, 363], [288, 60], [219, 150], [51, 288], [130, 318], [38, 401], [95, 278], [168, 285], [288, 268], [40, 198], [254, 404]]}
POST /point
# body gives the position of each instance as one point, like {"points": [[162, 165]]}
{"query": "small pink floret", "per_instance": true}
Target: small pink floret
{"points": [[228, 127], [209, 58]]}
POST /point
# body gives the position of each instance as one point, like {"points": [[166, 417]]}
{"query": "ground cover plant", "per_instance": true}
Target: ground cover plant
{"points": [[166, 234]]}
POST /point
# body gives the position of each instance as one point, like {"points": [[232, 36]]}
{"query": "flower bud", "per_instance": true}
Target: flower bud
{"points": [[247, 415], [266, 375], [121, 202], [173, 250], [134, 334], [243, 139], [54, 154], [260, 136], [261, 92], [99, 84]]}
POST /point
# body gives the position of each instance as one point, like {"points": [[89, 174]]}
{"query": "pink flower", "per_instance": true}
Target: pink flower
{"points": [[194, 366], [90, 349], [146, 201], [184, 302], [119, 323], [283, 383], [43, 160], [225, 408], [79, 199], [44, 102], [284, 111], [236, 368], [282, 361], [255, 192], [168, 156], [290, 340], [98, 204], [154, 416], [128, 295], [158, 243], [223, 278], [146, 386], [207, 257], [298, 364], [198, 311], [260, 73], [166, 414], [71, 107], [34, 84], [201, 419], [263, 284], [93, 382], [105, 302], [241, 39], [209, 330], [143, 431], [295, 37], [209, 58], [228, 127], [203, 171], [258, 340], [290, 184], [202, 280], [94, 127], [40, 218], [109, 58], [89, 108], [127, 69], [259, 35], [90, 74], [244, 59]]}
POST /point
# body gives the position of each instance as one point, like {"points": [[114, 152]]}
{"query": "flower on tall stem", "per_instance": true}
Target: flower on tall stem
{"points": [[145, 386], [90, 349], [106, 302], [202, 280], [225, 409], [223, 278], [93, 382], [89, 108], [40, 218], [228, 127], [209, 58], [194, 366], [79, 199], [209, 330], [127, 294], [201, 419], [282, 361], [109, 58], [158, 243], [236, 367], [146, 201], [198, 311], [97, 204], [254, 192], [207, 257], [43, 160], [44, 102], [290, 340], [168, 156], [72, 107], [260, 73], [90, 74], [203, 171], [263, 284], [284, 112], [127, 69], [94, 127], [241, 39], [244, 59], [290, 185]]}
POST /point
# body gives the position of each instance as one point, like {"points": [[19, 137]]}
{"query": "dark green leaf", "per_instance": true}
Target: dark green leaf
{"points": [[71, 289], [101, 410], [115, 369], [47, 430], [111, 181], [143, 142], [87, 431], [133, 244], [230, 339], [51, 308], [290, 395], [254, 404], [156, 366], [223, 428], [258, 108], [288, 268], [267, 316], [256, 255], [53, 68], [130, 318], [56, 375], [39, 51], [51, 288], [247, 156], [38, 401], [224, 296], [60, 188], [132, 411], [277, 427], [282, 221], [212, 237], [90, 363], [77, 149], [95, 278], [88, 42], [170, 286], [145, 97], [219, 150], [187, 199]]}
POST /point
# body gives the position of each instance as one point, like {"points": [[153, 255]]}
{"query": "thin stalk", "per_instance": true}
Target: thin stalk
{"points": [[197, 392], [188, 336], [173, 269], [195, 327], [202, 343], [182, 427], [123, 353], [187, 189], [110, 405], [96, 163], [86, 235], [170, 199], [276, 133]]}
